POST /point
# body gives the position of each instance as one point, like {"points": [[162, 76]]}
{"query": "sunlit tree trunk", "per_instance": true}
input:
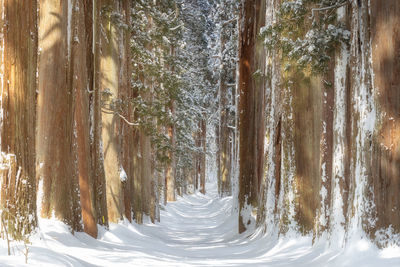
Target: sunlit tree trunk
{"points": [[99, 183], [170, 175], [110, 67], [126, 95], [170, 172], [55, 164], [18, 108]]}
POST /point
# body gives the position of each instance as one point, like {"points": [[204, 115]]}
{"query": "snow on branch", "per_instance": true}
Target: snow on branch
{"points": [[346, 2]]}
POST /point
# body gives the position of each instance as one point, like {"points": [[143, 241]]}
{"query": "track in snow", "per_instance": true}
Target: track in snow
{"points": [[196, 230]]}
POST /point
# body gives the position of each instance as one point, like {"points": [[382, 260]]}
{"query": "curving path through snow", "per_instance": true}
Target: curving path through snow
{"points": [[196, 230]]}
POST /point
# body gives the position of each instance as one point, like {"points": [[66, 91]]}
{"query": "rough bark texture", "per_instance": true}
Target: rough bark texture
{"points": [[251, 108], [339, 143], [80, 83], [385, 45], [55, 162], [145, 172], [17, 128], [110, 67], [127, 130], [99, 183], [224, 144], [137, 180]]}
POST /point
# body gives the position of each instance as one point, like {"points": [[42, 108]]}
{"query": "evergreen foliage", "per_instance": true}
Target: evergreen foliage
{"points": [[309, 47]]}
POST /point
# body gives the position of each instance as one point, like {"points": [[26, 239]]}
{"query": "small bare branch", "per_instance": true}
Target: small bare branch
{"points": [[330, 7], [229, 21]]}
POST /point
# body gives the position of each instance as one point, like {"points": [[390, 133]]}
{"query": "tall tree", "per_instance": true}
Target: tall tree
{"points": [[96, 148], [80, 83], [18, 121], [55, 162], [109, 68], [251, 109]]}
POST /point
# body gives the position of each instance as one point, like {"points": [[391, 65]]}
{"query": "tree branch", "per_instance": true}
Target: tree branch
{"points": [[330, 7], [228, 21]]}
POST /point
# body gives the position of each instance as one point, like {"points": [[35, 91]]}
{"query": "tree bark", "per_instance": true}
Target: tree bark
{"points": [[203, 141], [127, 130], [170, 172], [99, 182], [18, 104], [224, 155], [55, 162], [80, 84], [251, 109], [110, 67], [385, 46]]}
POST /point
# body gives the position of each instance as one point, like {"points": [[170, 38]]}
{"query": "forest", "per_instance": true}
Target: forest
{"points": [[200, 133]]}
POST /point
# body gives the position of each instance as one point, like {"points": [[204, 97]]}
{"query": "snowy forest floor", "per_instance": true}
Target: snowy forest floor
{"points": [[196, 230]]}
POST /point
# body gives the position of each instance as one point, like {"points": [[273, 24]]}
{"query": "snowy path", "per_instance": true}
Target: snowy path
{"points": [[196, 230]]}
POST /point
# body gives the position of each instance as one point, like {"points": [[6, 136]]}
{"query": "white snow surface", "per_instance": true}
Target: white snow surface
{"points": [[196, 230]]}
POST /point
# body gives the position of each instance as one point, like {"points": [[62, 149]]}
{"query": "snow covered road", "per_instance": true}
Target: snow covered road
{"points": [[197, 230]]}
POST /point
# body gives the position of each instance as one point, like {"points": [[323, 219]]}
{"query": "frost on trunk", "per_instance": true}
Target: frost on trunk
{"points": [[332, 153], [110, 67], [55, 161], [341, 127], [18, 59], [362, 211]]}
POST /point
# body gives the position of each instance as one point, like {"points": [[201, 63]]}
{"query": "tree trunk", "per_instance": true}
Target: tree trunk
{"points": [[251, 109], [385, 45], [203, 142], [80, 84], [137, 180], [170, 172], [55, 162], [224, 153], [110, 67], [99, 183], [170, 175], [127, 130], [18, 104]]}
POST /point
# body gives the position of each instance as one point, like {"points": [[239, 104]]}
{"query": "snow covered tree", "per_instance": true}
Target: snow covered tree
{"points": [[195, 104], [224, 60]]}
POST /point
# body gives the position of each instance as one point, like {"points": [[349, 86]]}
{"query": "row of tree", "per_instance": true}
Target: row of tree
{"points": [[319, 117], [104, 109], [109, 108]]}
